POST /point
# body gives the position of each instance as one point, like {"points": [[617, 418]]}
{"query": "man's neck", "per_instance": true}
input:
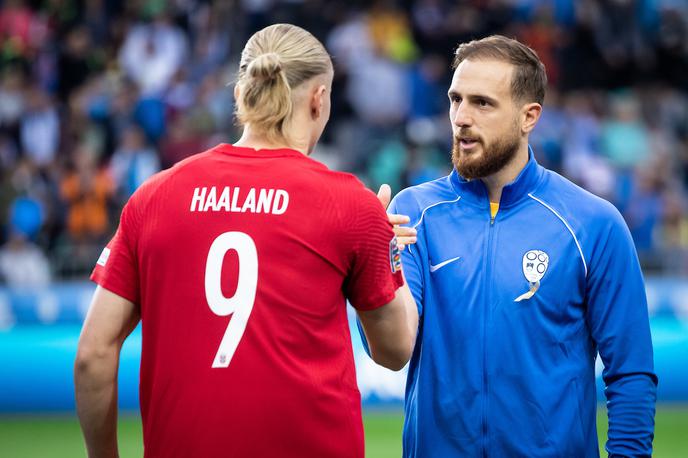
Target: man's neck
{"points": [[252, 139], [496, 182]]}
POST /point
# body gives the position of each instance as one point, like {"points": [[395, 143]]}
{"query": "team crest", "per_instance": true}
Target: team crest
{"points": [[394, 255], [535, 263]]}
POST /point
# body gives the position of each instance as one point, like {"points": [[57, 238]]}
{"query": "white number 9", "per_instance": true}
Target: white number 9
{"points": [[241, 304]]}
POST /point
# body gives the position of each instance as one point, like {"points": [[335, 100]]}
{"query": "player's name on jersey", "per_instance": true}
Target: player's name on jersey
{"points": [[234, 199]]}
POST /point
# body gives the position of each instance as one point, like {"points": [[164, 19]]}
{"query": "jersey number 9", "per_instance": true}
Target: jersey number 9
{"points": [[241, 303]]}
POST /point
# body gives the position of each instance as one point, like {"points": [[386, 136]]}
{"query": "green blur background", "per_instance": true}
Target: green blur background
{"points": [[60, 437]]}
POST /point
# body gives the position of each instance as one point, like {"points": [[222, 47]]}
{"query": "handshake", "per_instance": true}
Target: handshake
{"points": [[405, 235]]}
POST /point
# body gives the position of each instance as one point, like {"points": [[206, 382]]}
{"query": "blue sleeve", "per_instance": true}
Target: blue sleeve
{"points": [[412, 274], [617, 317], [410, 260]]}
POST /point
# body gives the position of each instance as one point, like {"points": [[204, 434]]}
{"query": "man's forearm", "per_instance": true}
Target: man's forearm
{"points": [[631, 410], [411, 310], [95, 379]]}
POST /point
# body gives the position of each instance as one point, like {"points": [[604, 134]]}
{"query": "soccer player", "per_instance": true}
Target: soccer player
{"points": [[238, 261], [521, 278]]}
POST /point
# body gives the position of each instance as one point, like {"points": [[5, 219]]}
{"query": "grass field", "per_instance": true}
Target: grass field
{"points": [[59, 437]]}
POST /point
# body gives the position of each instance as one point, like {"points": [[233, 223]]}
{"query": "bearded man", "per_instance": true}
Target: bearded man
{"points": [[521, 279]]}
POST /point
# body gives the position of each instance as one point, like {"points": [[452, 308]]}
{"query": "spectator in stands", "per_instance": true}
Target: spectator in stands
{"points": [[428, 87], [625, 143], [22, 263], [40, 128], [153, 52], [21, 29], [182, 139], [75, 62], [12, 98], [87, 191], [133, 162]]}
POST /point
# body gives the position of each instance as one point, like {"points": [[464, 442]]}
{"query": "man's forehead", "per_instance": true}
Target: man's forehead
{"points": [[480, 75]]}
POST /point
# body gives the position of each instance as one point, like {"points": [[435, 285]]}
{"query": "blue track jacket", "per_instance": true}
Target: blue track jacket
{"points": [[500, 377]]}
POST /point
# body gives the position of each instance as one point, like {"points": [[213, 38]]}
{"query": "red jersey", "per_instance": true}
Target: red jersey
{"points": [[241, 262]]}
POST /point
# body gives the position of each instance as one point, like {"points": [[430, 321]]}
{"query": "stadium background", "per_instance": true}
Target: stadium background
{"points": [[96, 95]]}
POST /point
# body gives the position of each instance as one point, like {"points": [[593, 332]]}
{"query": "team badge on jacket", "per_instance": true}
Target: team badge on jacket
{"points": [[535, 263]]}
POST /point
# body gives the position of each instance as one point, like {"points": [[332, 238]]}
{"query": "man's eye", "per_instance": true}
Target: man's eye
{"points": [[455, 98], [483, 103]]}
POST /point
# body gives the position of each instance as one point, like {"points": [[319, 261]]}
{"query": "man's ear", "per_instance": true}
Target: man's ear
{"points": [[530, 114], [317, 101]]}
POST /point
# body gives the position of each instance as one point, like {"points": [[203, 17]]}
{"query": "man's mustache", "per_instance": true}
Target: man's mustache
{"points": [[467, 135]]}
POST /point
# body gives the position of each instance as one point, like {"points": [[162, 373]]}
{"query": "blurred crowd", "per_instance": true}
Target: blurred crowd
{"points": [[97, 95]]}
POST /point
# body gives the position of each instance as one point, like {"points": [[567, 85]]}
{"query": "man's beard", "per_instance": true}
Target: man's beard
{"points": [[493, 158]]}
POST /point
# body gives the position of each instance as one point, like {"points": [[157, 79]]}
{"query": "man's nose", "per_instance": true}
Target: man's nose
{"points": [[462, 116]]}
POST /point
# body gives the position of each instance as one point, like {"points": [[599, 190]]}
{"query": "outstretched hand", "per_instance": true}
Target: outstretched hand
{"points": [[405, 235]]}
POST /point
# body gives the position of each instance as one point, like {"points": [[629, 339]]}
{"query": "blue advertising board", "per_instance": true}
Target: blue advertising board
{"points": [[39, 331]]}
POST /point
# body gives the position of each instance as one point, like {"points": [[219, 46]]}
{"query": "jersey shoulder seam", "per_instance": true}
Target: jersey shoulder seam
{"points": [[568, 227]]}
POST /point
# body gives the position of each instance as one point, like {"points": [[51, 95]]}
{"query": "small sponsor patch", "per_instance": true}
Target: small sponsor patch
{"points": [[394, 255], [103, 257]]}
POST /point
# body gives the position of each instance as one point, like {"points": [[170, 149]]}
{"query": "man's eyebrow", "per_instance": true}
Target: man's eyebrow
{"points": [[482, 97], [453, 93]]}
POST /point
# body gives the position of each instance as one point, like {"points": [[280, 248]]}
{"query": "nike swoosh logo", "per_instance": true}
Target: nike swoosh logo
{"points": [[443, 263]]}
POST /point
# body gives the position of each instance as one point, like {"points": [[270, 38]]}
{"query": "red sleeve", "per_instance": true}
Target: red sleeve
{"points": [[374, 275], [117, 268]]}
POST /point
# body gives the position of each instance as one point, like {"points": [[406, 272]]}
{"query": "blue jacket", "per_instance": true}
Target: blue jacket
{"points": [[498, 371]]}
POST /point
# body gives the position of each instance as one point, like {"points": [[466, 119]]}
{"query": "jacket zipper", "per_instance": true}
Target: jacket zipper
{"points": [[488, 275]]}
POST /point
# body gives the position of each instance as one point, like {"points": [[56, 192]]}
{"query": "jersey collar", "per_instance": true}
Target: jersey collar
{"points": [[476, 192], [250, 152]]}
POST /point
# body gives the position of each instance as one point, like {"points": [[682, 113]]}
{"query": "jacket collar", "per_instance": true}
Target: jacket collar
{"points": [[476, 192]]}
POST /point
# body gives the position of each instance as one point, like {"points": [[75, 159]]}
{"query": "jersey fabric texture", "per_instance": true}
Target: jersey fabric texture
{"points": [[500, 377], [289, 389]]}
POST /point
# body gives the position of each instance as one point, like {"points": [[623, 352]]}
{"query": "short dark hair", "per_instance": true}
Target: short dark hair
{"points": [[529, 80]]}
